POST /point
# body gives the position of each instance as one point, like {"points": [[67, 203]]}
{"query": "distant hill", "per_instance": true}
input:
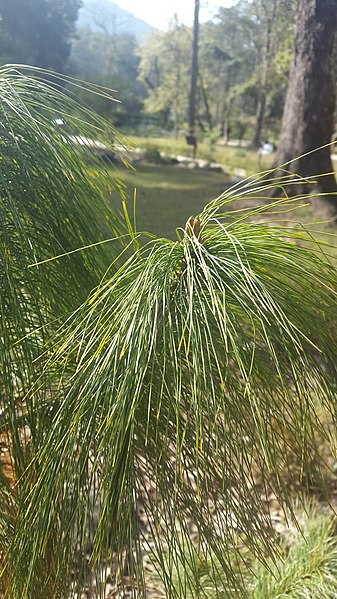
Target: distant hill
{"points": [[105, 15]]}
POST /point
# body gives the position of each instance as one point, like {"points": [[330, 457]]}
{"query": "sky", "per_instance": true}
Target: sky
{"points": [[158, 13]]}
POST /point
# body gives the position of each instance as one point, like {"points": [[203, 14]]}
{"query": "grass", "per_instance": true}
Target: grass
{"points": [[167, 195], [305, 567], [230, 158], [305, 570]]}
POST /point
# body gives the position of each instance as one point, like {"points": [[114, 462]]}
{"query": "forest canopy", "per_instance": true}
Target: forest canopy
{"points": [[244, 59]]}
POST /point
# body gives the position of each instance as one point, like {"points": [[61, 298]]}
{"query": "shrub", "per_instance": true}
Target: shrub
{"points": [[153, 155], [180, 373]]}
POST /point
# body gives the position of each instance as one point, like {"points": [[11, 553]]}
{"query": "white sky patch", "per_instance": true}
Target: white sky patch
{"points": [[159, 13]]}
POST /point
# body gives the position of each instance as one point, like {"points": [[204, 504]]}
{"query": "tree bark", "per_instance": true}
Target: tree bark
{"points": [[194, 75], [308, 118]]}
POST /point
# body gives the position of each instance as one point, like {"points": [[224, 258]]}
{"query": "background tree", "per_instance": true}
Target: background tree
{"points": [[164, 70], [192, 140], [37, 32], [227, 59], [243, 66], [266, 12], [308, 119], [109, 59], [269, 27]]}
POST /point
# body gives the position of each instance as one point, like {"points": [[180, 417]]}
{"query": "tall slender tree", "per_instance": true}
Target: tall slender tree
{"points": [[194, 75], [308, 118], [269, 15]]}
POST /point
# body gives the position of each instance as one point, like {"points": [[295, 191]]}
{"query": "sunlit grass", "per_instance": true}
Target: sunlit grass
{"points": [[167, 195], [230, 158]]}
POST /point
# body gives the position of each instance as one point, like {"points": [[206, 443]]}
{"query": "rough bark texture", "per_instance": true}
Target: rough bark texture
{"points": [[308, 118]]}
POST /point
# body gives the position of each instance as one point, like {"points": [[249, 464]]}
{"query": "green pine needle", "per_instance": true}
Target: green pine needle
{"points": [[181, 375], [178, 379]]}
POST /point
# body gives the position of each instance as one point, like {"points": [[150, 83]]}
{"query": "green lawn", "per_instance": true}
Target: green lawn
{"points": [[230, 158], [168, 195]]}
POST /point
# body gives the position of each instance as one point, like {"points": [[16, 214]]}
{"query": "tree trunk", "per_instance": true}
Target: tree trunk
{"points": [[206, 103], [176, 108], [261, 105], [261, 108], [194, 74], [308, 118]]}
